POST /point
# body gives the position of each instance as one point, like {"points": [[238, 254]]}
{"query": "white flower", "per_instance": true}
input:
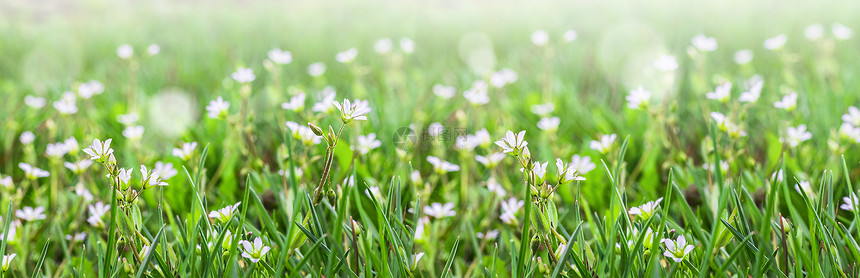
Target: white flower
{"points": [[442, 167], [743, 56], [666, 63], [503, 77], [124, 175], [367, 143], [569, 35], [352, 111], [254, 251], [840, 31], [83, 193], [124, 51], [31, 214], [704, 43], [34, 101], [646, 210], [814, 31], [509, 210], [150, 178], [383, 46], [415, 177], [347, 55], [78, 167], [482, 137], [549, 124], [296, 103], [90, 88], [543, 109], [753, 93], [443, 91], [775, 42], [133, 133], [638, 98], [540, 38], [218, 108], [852, 117], [847, 131], [419, 227], [128, 119], [804, 186], [477, 95], [678, 249], [372, 190], [165, 170], [32, 172], [492, 234], [724, 166], [539, 171], [224, 214], [304, 134], [280, 57], [97, 213], [153, 49], [66, 104], [7, 262], [13, 231], [407, 45], [796, 135], [316, 69], [490, 160], [186, 151], [437, 210], [721, 93], [76, 237], [788, 102], [850, 203], [513, 143], [495, 187], [7, 182], [325, 105], [71, 145], [244, 75], [604, 145], [27, 137], [581, 164], [56, 150], [435, 129]]}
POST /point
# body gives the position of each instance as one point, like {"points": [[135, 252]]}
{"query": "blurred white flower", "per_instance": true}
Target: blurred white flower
{"points": [[543, 109], [6, 182], [814, 31], [788, 102], [743, 56], [383, 46], [850, 204], [7, 262], [492, 234], [646, 210], [90, 88], [133, 133], [549, 124], [503, 77], [186, 151], [79, 166], [296, 103], [27, 137], [852, 117], [678, 249], [540, 38], [804, 187], [581, 164], [419, 227], [326, 102], [604, 145], [124, 51], [490, 160], [367, 143], [847, 131], [66, 104], [753, 93], [435, 129], [495, 187], [722, 93], [32, 172], [566, 173], [31, 214], [76, 237], [153, 49], [704, 43], [254, 251], [56, 150], [407, 45], [509, 210], [128, 119], [97, 213], [724, 166], [347, 55], [316, 69], [303, 133], [165, 170], [666, 63], [352, 111], [415, 177], [83, 193], [442, 167], [244, 75], [443, 91], [217, 109], [775, 42], [638, 98], [841, 32], [34, 101], [482, 137], [570, 35], [280, 57], [477, 95], [796, 135], [224, 214], [437, 210]]}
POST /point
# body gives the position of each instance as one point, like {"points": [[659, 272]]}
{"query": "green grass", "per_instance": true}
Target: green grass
{"points": [[294, 195]]}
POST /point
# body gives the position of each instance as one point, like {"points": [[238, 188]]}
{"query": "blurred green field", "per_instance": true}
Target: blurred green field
{"points": [[595, 56]]}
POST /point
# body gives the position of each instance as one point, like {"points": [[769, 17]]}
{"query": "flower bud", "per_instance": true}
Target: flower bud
{"points": [[317, 130]]}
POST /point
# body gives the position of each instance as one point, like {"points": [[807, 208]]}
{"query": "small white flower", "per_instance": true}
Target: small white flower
{"points": [[804, 186], [150, 178], [788, 102], [513, 143], [539, 171], [133, 133], [852, 117], [543, 109], [477, 95], [722, 93], [850, 204], [415, 177], [443, 91], [490, 160], [724, 166], [186, 152], [435, 129], [76, 237], [325, 105], [482, 137], [503, 77], [218, 108], [373, 190], [347, 55], [224, 214], [753, 93], [540, 38], [296, 103], [847, 131], [841, 32], [814, 31], [32, 172], [153, 49], [367, 143], [304, 134], [78, 167], [775, 42], [678, 249], [419, 227], [796, 135], [566, 173], [549, 124], [666, 63], [510, 208], [7, 183], [244, 75], [743, 56], [442, 167], [492, 234], [569, 35], [254, 251], [124, 51], [352, 111], [407, 45], [88, 89], [604, 145], [27, 137], [316, 69], [165, 170], [704, 43], [66, 105], [646, 210], [7, 262], [124, 175], [437, 210], [280, 57], [638, 98], [383, 46], [31, 214], [56, 150], [128, 119], [495, 187], [97, 213], [35, 102], [83, 193], [581, 164]]}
